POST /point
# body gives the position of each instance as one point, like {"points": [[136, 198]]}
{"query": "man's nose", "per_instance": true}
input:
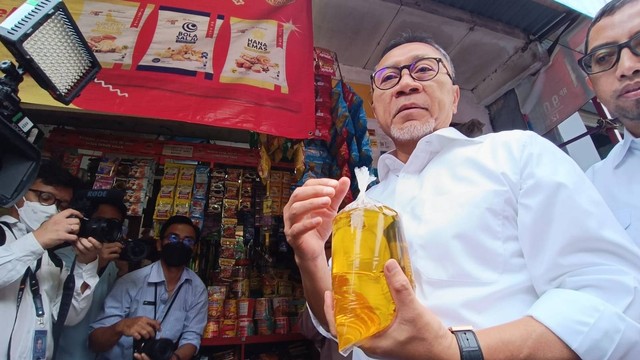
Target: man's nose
{"points": [[628, 64], [407, 83]]}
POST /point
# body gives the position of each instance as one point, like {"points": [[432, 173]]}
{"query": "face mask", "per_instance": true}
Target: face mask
{"points": [[176, 254], [33, 214]]}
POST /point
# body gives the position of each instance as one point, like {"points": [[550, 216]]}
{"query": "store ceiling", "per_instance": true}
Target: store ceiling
{"points": [[488, 40]]}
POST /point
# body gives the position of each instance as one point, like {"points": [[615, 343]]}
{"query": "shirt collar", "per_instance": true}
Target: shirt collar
{"points": [[157, 275], [624, 148], [427, 147]]}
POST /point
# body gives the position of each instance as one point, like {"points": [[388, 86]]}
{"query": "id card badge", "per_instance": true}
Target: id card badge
{"points": [[40, 345]]}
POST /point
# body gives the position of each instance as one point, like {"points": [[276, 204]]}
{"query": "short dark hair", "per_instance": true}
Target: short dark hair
{"points": [[609, 9], [119, 205], [410, 37], [53, 174], [178, 219]]}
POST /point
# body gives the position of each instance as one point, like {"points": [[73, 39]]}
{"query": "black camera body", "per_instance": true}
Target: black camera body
{"points": [[110, 231], [155, 349], [103, 230]]}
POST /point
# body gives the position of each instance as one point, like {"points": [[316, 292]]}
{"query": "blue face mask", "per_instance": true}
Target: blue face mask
{"points": [[33, 214]]}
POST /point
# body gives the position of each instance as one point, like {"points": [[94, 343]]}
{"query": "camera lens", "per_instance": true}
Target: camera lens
{"points": [[134, 250], [155, 349]]}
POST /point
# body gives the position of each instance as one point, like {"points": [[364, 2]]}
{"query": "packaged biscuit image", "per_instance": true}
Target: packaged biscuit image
{"points": [[111, 29], [365, 235], [256, 54], [182, 42]]}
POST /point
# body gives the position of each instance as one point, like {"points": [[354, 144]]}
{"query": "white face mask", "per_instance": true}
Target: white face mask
{"points": [[33, 214]]}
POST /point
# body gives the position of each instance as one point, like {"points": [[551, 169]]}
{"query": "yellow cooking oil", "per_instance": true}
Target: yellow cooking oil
{"points": [[364, 238]]}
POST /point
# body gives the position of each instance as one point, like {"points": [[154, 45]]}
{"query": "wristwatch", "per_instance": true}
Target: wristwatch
{"points": [[467, 343]]}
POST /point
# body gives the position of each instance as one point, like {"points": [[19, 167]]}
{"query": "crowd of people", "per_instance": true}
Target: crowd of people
{"points": [[505, 232], [105, 310]]}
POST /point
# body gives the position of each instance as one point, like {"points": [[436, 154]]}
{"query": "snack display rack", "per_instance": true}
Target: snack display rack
{"points": [[242, 257]]}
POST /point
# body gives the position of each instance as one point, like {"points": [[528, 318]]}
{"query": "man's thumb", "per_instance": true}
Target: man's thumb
{"points": [[399, 285]]}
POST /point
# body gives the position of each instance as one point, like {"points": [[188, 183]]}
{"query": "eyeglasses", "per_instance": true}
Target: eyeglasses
{"points": [[423, 69], [187, 240], [47, 199], [606, 57]]}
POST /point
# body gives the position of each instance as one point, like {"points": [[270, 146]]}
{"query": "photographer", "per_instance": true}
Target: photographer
{"points": [[106, 211], [31, 277], [162, 303]]}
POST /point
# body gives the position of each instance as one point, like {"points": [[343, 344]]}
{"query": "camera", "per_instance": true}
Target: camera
{"points": [[155, 349], [103, 230], [110, 231]]}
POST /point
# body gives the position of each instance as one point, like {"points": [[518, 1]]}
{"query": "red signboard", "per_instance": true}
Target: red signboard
{"points": [[245, 64]]}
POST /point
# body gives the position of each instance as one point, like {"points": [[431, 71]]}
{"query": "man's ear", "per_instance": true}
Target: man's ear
{"points": [[589, 82], [456, 98], [158, 245]]}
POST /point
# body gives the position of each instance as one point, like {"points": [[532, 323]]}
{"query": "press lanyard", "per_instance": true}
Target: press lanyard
{"points": [[37, 299], [34, 285]]}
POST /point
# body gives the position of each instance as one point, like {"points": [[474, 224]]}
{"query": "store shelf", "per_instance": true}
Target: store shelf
{"points": [[255, 339]]}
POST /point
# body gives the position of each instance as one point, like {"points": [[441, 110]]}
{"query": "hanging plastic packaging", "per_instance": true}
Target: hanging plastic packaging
{"points": [[365, 235]]}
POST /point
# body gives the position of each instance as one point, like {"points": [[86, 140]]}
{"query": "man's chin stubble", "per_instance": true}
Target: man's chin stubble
{"points": [[411, 131]]}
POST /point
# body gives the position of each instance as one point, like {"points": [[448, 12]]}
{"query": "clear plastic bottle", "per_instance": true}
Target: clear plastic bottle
{"points": [[365, 236]]}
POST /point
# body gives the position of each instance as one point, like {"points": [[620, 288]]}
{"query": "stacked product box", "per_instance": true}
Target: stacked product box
{"points": [[279, 190], [176, 191], [199, 199], [132, 176]]}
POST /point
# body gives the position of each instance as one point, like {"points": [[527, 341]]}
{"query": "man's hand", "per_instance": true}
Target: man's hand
{"points": [[138, 327], [87, 249], [415, 332], [108, 253], [309, 214], [141, 356], [61, 227]]}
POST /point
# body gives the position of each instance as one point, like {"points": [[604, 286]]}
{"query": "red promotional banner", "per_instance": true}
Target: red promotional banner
{"points": [[244, 64]]}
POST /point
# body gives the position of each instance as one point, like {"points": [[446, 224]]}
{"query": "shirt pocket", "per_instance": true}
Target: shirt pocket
{"points": [[463, 239]]}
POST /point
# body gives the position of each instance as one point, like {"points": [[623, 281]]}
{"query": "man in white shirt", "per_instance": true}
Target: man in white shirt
{"points": [[31, 278], [504, 231], [612, 62]]}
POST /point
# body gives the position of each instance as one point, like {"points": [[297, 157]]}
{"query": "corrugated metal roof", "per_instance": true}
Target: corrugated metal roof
{"points": [[529, 16]]}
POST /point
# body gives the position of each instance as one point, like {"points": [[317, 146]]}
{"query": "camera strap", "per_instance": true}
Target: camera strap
{"points": [[155, 305], [3, 235], [65, 304]]}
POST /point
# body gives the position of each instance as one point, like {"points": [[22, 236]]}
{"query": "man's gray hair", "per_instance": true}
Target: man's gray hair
{"points": [[410, 37]]}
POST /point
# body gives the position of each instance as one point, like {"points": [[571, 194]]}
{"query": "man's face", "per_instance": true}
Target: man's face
{"points": [[107, 211], [619, 88], [413, 109], [61, 195], [181, 232]]}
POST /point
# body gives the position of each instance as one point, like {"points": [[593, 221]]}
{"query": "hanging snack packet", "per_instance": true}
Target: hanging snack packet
{"points": [[257, 53], [365, 235], [182, 43]]}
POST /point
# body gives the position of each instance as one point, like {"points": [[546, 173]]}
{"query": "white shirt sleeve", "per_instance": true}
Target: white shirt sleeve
{"points": [[585, 267]]}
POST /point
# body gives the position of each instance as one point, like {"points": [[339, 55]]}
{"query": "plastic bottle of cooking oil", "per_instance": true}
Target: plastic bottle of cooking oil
{"points": [[365, 235]]}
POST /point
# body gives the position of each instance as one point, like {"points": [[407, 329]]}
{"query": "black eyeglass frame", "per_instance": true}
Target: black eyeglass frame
{"points": [[187, 240], [619, 47], [60, 204], [409, 66]]}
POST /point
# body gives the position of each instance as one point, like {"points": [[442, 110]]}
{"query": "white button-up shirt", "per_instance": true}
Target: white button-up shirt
{"points": [[618, 179], [506, 225], [15, 256]]}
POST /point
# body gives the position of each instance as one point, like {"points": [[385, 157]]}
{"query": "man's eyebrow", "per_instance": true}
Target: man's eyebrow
{"points": [[612, 43], [414, 58]]}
